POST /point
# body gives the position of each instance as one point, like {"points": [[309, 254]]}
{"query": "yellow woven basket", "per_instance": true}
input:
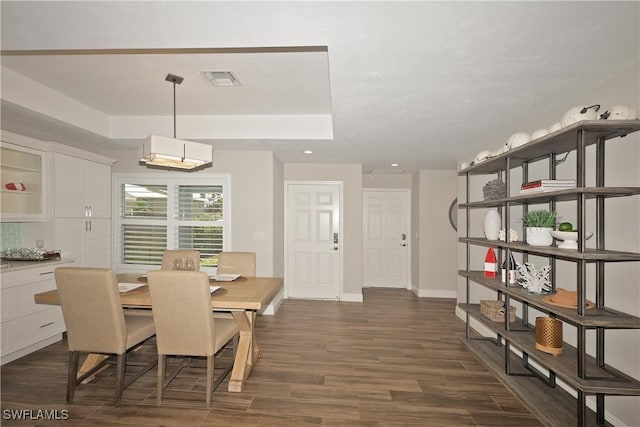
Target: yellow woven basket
{"points": [[494, 310]]}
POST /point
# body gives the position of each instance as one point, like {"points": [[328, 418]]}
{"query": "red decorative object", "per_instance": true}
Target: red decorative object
{"points": [[16, 187], [490, 264]]}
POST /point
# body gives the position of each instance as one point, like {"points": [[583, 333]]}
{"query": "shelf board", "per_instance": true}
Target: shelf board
{"points": [[558, 196], [20, 193], [606, 380], [557, 142], [553, 406], [589, 255], [19, 168], [595, 317]]}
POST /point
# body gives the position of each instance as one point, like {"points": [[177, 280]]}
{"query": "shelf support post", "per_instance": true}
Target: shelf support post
{"points": [[468, 252], [600, 245], [582, 408]]}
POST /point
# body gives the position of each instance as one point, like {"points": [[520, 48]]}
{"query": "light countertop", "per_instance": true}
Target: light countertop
{"points": [[24, 265]]}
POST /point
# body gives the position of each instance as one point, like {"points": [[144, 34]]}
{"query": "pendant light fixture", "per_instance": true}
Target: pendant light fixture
{"points": [[172, 153]]}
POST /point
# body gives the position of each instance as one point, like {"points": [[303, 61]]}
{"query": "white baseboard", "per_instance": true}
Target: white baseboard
{"points": [[352, 297], [429, 293], [274, 305]]}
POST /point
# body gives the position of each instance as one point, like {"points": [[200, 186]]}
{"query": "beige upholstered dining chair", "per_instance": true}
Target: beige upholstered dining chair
{"points": [[96, 323], [185, 325], [171, 255], [242, 263]]}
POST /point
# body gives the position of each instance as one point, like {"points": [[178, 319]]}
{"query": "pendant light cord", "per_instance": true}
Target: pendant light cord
{"points": [[174, 109]]}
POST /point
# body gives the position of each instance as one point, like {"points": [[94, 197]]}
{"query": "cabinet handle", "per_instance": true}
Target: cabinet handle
{"points": [[89, 225], [90, 211], [46, 272], [86, 210], [46, 324]]}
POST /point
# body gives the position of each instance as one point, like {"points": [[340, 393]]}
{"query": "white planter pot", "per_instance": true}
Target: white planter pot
{"points": [[539, 236], [492, 223]]}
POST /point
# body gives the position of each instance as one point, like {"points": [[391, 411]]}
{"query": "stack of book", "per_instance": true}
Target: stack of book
{"points": [[544, 185]]}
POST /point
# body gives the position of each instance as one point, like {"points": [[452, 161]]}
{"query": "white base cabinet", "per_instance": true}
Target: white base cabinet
{"points": [[88, 242], [27, 326]]}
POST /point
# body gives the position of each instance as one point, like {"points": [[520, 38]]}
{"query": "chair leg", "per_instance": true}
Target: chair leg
{"points": [[74, 360], [120, 370], [162, 364], [210, 373]]}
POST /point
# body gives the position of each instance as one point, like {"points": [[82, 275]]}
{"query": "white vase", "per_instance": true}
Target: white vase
{"points": [[492, 224], [539, 236]]}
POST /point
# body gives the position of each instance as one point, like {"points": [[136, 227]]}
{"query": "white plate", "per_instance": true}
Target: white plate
{"points": [[224, 277], [126, 287]]}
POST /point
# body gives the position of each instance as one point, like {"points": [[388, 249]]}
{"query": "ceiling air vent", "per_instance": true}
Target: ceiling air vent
{"points": [[221, 78]]}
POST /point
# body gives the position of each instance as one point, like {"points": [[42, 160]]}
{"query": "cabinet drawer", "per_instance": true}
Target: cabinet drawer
{"points": [[25, 331], [28, 275], [17, 301]]}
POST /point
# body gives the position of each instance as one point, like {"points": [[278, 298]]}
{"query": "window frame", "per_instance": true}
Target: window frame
{"points": [[171, 180]]}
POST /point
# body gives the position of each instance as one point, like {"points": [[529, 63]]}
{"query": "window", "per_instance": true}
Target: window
{"points": [[153, 214]]}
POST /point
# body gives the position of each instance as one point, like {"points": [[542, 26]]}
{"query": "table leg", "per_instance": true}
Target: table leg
{"points": [[91, 361], [247, 352]]}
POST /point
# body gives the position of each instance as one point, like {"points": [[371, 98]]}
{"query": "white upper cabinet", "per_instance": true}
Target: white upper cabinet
{"points": [[23, 193], [82, 206], [82, 188]]}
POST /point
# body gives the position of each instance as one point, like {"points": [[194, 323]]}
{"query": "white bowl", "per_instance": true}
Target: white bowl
{"points": [[569, 238]]}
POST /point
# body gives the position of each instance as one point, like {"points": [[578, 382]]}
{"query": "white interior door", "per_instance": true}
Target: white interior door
{"points": [[314, 241], [386, 238]]}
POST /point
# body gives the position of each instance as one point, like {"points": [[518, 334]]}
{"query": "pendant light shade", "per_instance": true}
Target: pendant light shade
{"points": [[173, 153]]}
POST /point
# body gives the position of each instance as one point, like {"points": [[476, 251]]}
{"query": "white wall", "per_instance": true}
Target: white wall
{"points": [[436, 239], [351, 176], [386, 181], [278, 217], [415, 231]]}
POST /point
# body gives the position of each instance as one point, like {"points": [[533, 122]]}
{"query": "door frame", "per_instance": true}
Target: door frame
{"points": [[340, 185], [408, 266]]}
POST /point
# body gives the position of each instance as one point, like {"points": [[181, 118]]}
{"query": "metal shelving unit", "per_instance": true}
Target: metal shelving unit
{"points": [[588, 375]]}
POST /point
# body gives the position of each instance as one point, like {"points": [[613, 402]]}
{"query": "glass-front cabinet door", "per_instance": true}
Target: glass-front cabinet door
{"points": [[22, 172]]}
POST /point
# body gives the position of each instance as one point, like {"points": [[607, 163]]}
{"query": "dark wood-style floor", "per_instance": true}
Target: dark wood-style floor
{"points": [[394, 360]]}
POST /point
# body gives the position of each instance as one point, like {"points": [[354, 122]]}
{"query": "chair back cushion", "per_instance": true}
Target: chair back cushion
{"points": [[91, 309], [182, 313], [170, 255], [243, 263]]}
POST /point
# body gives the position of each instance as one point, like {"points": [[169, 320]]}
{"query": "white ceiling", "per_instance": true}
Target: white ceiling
{"points": [[422, 84]]}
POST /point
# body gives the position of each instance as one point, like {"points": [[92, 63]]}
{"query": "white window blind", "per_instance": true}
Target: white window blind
{"points": [[200, 221], [154, 214]]}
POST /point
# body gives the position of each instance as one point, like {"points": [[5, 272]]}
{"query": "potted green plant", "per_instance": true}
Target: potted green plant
{"points": [[538, 225]]}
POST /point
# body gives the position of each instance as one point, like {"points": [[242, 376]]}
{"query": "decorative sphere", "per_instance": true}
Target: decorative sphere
{"points": [[517, 139]]}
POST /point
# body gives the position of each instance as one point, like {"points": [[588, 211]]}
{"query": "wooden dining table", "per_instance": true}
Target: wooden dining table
{"points": [[242, 297]]}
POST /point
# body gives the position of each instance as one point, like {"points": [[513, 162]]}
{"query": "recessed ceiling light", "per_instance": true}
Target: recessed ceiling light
{"points": [[308, 152], [221, 78], [395, 165]]}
